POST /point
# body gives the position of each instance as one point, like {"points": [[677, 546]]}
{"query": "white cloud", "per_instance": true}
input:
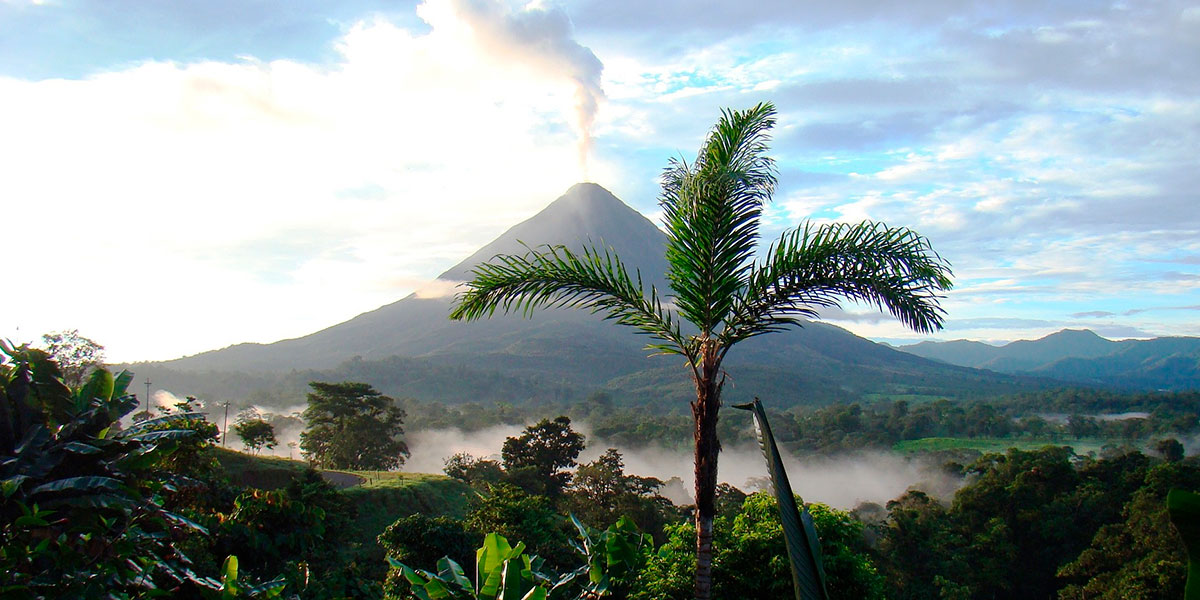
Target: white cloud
{"points": [[141, 184]]}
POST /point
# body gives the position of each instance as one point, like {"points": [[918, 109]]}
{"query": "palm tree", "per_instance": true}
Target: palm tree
{"points": [[711, 211]]}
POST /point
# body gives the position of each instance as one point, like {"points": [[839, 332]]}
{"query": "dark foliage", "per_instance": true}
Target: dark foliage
{"points": [[84, 506], [352, 426], [541, 455]]}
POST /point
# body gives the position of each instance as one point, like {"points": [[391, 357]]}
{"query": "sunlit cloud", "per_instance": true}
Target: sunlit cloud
{"points": [[1048, 152]]}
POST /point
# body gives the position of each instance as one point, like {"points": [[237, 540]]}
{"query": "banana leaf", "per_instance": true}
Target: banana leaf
{"points": [[100, 385], [149, 423], [803, 545], [78, 484]]}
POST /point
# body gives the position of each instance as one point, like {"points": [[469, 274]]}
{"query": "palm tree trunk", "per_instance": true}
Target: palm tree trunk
{"points": [[704, 413]]}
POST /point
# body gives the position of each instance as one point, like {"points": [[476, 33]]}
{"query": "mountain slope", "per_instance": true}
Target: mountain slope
{"points": [[416, 326], [574, 351], [1081, 356]]}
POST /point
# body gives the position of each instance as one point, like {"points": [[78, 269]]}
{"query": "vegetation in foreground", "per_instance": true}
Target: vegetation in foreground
{"points": [[711, 211], [93, 511]]}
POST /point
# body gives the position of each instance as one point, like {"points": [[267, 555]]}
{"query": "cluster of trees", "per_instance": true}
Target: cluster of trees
{"points": [[90, 511], [1025, 524], [93, 510], [1049, 416], [851, 426], [1041, 524], [538, 463]]}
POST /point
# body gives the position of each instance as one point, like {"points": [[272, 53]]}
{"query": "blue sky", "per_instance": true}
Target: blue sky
{"points": [[185, 176]]}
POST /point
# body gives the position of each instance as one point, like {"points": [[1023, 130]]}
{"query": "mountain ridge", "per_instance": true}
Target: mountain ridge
{"points": [[573, 348], [1081, 356]]}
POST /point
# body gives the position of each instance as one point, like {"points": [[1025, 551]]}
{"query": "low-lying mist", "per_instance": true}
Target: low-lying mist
{"points": [[842, 481]]}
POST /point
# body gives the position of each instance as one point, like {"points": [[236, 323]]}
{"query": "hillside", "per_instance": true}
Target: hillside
{"points": [[1081, 356], [411, 348]]}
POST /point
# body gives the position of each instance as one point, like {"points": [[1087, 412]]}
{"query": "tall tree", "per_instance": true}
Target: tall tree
{"points": [[542, 453], [352, 426], [75, 355], [256, 434], [711, 209]]}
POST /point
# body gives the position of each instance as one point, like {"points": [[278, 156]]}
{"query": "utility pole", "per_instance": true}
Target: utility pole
{"points": [[225, 426], [147, 397]]}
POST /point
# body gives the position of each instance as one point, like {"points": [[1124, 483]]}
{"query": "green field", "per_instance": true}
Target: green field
{"points": [[381, 498], [262, 472], [911, 398], [386, 497], [934, 444]]}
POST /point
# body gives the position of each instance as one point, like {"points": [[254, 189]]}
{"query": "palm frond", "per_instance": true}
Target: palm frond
{"points": [[555, 276], [711, 210], [815, 266]]}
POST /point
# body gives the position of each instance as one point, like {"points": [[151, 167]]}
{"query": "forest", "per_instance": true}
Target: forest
{"points": [[97, 505]]}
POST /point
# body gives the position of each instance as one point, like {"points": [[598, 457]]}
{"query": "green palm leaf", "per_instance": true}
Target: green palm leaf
{"points": [[711, 210], [803, 545], [815, 266], [557, 277]]}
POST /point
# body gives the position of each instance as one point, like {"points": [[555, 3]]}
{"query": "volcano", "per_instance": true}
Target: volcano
{"points": [[581, 351]]}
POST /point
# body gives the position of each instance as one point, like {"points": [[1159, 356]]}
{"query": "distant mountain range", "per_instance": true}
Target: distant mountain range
{"points": [[1081, 356], [410, 347]]}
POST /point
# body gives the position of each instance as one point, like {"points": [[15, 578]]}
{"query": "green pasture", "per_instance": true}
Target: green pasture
{"points": [[998, 445]]}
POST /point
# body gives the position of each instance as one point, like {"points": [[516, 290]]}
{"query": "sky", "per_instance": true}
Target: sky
{"points": [[177, 177]]}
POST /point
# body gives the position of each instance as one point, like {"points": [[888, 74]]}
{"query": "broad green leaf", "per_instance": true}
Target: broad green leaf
{"points": [[29, 520], [489, 588], [121, 383], [418, 590], [12, 484], [1184, 508], [270, 589], [800, 537], [515, 551], [99, 386], [190, 524], [80, 448], [78, 484], [229, 571], [168, 434], [516, 581], [437, 590], [151, 423], [488, 560], [141, 458], [583, 534], [537, 593], [450, 571]]}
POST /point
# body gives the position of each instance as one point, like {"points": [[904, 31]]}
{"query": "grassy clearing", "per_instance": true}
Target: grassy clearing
{"points": [[387, 496], [908, 397], [262, 472], [380, 498], [1000, 445]]}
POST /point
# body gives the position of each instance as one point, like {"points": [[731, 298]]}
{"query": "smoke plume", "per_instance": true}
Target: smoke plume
{"points": [[164, 399], [542, 38]]}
